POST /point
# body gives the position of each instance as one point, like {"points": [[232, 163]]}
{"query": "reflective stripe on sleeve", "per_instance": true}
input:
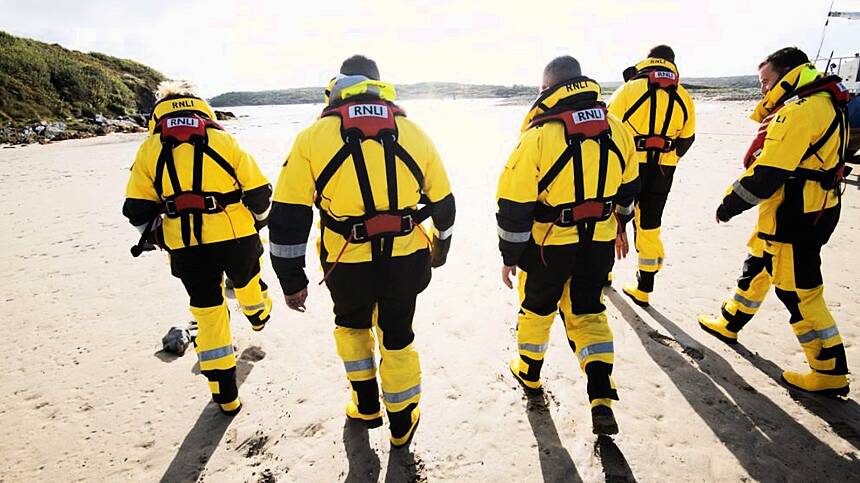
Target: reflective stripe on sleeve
{"points": [[744, 194], [514, 236], [446, 234], [624, 210], [288, 251], [263, 215]]}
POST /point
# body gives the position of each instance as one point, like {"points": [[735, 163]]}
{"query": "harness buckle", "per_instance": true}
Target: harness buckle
{"points": [[356, 235], [406, 220], [170, 207], [566, 216], [210, 204]]}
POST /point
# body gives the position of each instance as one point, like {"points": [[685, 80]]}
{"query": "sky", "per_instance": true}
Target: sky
{"points": [[262, 44]]}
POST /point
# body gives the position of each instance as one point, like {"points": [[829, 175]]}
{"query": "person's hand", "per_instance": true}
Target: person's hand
{"points": [[506, 275], [621, 245], [296, 301], [721, 215]]}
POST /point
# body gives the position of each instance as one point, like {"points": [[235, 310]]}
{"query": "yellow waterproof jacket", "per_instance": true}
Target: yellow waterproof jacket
{"points": [[152, 183], [631, 103], [341, 198], [793, 179], [540, 148]]}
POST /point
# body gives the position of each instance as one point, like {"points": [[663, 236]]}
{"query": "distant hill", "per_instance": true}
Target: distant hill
{"points": [[423, 90], [451, 90], [46, 82]]}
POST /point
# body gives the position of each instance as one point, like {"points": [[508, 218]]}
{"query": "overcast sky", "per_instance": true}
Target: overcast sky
{"points": [[255, 45]]}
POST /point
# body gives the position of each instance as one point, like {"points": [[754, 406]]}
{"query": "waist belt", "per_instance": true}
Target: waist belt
{"points": [[829, 179], [574, 214], [189, 202], [655, 143], [363, 229]]}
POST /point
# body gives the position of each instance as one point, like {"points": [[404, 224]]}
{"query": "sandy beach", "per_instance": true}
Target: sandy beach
{"points": [[86, 395]]}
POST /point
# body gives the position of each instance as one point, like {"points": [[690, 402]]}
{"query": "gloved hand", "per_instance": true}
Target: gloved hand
{"points": [[723, 214], [439, 252]]}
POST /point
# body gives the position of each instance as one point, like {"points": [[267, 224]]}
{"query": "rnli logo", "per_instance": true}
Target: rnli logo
{"points": [[664, 75], [368, 110], [183, 122], [841, 86], [588, 115], [183, 103]]}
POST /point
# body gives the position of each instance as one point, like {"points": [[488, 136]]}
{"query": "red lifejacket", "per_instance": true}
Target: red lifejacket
{"points": [[369, 119]]}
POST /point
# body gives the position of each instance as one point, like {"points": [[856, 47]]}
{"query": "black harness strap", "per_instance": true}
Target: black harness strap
{"points": [[410, 163], [163, 155], [363, 178], [636, 105], [197, 187], [614, 148], [391, 182], [170, 165], [220, 161], [825, 138], [604, 166], [331, 168], [556, 167]]}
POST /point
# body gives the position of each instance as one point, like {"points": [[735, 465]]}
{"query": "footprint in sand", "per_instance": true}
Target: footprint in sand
{"points": [[255, 445]]}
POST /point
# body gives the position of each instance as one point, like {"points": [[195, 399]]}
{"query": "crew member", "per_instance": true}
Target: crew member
{"points": [[656, 107], [374, 176], [196, 193], [794, 174], [563, 198]]}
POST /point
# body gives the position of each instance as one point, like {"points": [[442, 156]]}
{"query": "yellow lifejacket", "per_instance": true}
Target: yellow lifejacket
{"points": [[371, 172], [657, 108], [567, 131], [197, 173], [804, 133]]}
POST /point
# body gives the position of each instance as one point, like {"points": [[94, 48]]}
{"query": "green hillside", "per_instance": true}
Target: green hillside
{"points": [[46, 82], [453, 90]]}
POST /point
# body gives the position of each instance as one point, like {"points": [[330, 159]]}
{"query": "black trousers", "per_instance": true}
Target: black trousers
{"points": [[393, 284], [201, 267]]}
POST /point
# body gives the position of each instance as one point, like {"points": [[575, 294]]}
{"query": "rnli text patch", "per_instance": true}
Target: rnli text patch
{"points": [[664, 75], [588, 115], [183, 122], [368, 110]]}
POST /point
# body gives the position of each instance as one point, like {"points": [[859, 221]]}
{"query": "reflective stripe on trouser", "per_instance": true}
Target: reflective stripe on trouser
{"points": [[591, 339], [255, 304], [649, 247], [400, 371], [215, 351], [356, 349], [811, 321], [532, 336], [752, 288]]}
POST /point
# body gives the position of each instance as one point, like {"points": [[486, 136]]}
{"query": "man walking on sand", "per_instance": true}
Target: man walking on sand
{"points": [[374, 176], [563, 199], [795, 168], [655, 106], [214, 199]]}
